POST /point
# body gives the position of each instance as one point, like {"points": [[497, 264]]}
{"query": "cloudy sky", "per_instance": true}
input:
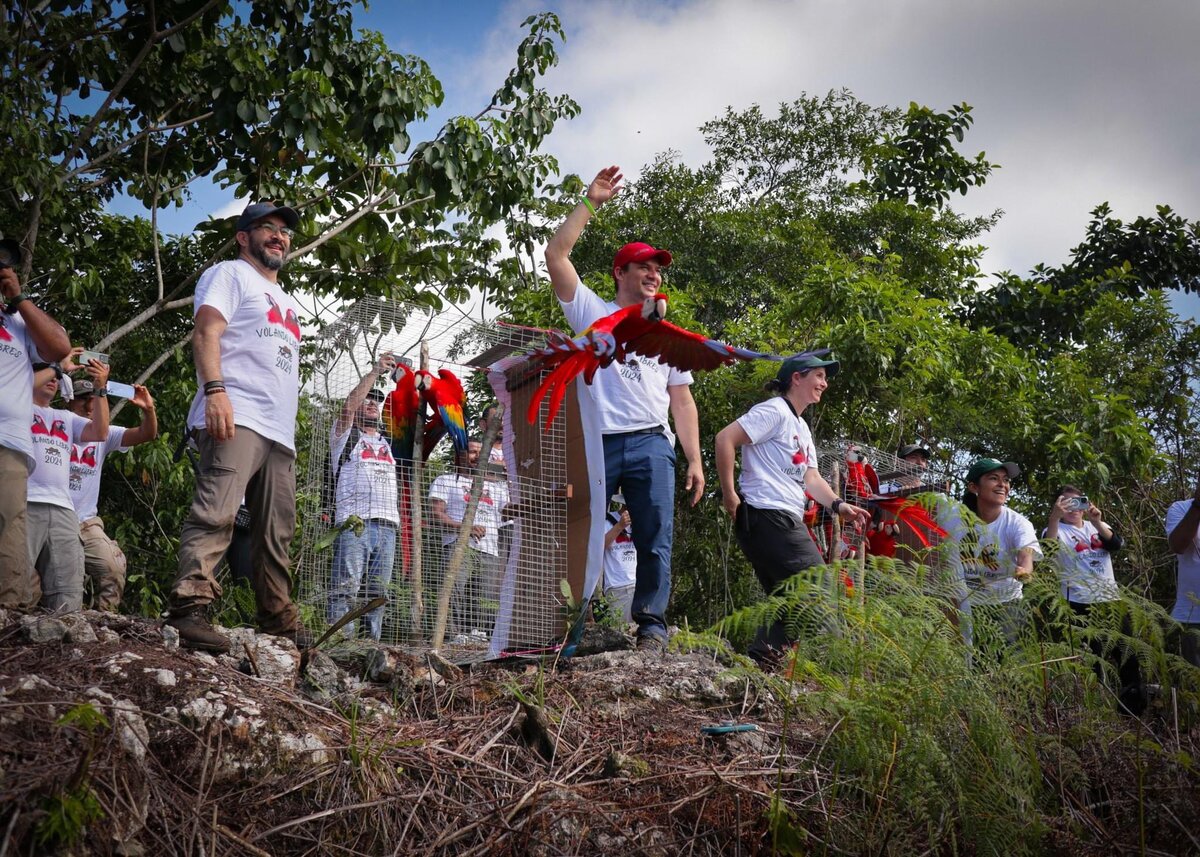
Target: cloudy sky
{"points": [[1079, 101]]}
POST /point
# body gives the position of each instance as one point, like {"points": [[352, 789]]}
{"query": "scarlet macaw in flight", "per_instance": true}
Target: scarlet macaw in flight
{"points": [[635, 329]]}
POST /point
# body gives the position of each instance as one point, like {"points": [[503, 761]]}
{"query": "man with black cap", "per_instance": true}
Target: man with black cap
{"points": [[365, 486], [246, 349], [633, 399], [912, 462], [27, 335], [103, 559]]}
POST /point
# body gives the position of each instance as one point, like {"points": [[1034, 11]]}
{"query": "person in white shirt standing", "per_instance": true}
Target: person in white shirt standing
{"points": [[27, 335], [992, 557], [247, 352], [779, 465], [54, 546], [473, 605], [620, 562], [103, 559], [633, 399], [365, 486], [1183, 536], [1084, 560]]}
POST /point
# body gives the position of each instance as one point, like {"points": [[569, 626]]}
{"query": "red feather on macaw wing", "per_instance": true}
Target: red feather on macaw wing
{"points": [[449, 400], [635, 329], [913, 515], [400, 412]]}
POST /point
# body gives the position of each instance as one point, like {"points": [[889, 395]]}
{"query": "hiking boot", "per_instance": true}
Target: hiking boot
{"points": [[196, 632], [652, 644]]}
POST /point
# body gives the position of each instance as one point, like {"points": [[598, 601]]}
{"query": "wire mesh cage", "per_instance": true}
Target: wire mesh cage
{"points": [[881, 482], [468, 547]]}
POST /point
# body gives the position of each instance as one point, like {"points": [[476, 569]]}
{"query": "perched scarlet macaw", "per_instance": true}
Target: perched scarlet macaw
{"points": [[400, 413], [635, 329], [449, 401]]}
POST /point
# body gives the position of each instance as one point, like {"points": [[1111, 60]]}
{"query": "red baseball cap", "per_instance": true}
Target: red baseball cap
{"points": [[639, 251]]}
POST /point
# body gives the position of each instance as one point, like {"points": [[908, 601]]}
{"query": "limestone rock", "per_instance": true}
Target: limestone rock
{"points": [[79, 629], [43, 629]]}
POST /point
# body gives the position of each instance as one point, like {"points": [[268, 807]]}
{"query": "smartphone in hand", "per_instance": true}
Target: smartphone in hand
{"points": [[87, 357], [121, 391]]}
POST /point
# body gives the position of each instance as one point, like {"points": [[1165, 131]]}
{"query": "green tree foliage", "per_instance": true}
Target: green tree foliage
{"points": [[130, 107]]}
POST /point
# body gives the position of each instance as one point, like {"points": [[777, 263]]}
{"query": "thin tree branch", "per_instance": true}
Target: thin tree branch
{"points": [[153, 367], [140, 319], [116, 150]]}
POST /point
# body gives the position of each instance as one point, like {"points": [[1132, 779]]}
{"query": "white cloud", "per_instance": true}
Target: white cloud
{"points": [[1080, 102]]}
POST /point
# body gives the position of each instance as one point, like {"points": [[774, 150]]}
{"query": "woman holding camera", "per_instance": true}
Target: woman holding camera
{"points": [[1085, 559], [1085, 564]]}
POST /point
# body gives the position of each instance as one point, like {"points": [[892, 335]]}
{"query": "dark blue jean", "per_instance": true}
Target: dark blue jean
{"points": [[642, 467], [372, 554]]}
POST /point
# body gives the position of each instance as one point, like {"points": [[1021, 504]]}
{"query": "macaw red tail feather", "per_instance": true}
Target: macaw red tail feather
{"points": [[913, 515]]}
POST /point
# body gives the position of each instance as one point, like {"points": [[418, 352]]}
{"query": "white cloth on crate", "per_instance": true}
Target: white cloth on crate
{"points": [[366, 481], [52, 432], [87, 462], [631, 395], [17, 356], [260, 350], [778, 457], [454, 490], [1187, 581], [987, 566], [1085, 565]]}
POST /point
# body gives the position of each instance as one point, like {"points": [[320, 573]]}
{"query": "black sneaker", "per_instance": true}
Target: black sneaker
{"points": [[196, 632], [652, 644]]}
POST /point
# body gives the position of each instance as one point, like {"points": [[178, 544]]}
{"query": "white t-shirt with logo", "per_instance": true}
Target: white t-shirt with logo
{"points": [[17, 355], [52, 432], [1086, 567], [366, 482], [454, 490], [987, 565], [777, 459], [620, 559], [87, 460], [1187, 584], [631, 395], [260, 350]]}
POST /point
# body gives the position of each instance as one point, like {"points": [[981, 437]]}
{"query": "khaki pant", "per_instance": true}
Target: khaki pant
{"points": [[104, 563], [57, 553], [18, 581], [265, 472]]}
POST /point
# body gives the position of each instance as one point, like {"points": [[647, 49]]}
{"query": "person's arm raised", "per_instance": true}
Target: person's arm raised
{"points": [[563, 276]]}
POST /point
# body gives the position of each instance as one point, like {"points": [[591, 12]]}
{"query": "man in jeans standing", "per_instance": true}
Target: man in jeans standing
{"points": [[633, 400], [365, 486], [246, 349]]}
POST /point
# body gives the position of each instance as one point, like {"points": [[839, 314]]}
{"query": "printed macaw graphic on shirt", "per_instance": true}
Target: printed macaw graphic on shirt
{"points": [[371, 452], [983, 566], [58, 428], [83, 464], [5, 336], [1094, 550], [289, 322]]}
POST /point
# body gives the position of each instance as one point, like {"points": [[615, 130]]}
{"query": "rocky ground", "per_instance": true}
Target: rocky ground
{"points": [[113, 740]]}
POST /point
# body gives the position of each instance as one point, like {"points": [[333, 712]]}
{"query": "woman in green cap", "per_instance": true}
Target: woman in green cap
{"points": [[779, 466]]}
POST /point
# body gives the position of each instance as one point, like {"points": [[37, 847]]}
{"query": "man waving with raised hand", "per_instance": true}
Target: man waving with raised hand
{"points": [[633, 400]]}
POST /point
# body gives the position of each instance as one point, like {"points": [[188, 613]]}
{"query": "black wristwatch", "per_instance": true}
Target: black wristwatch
{"points": [[100, 391], [836, 504], [12, 305]]}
